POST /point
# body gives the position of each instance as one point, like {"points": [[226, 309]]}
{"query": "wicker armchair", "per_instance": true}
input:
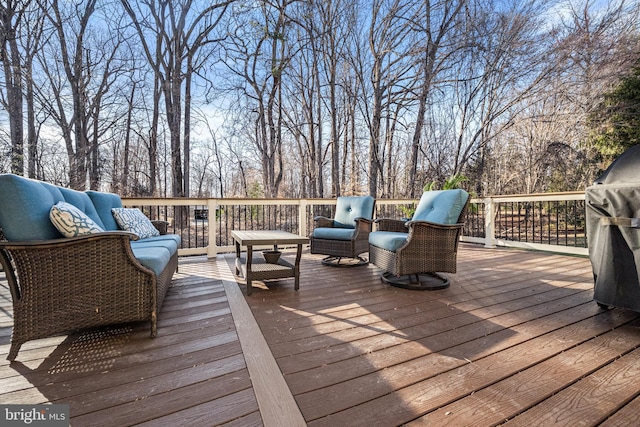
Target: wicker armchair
{"points": [[347, 234], [411, 253]]}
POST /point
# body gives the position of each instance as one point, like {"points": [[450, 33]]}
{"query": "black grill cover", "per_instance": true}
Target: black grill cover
{"points": [[613, 232]]}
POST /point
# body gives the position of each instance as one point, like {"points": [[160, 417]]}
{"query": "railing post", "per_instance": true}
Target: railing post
{"points": [[489, 223], [212, 248], [302, 217]]}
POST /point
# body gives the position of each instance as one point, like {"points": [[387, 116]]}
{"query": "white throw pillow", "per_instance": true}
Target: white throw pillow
{"points": [[134, 221], [71, 221]]}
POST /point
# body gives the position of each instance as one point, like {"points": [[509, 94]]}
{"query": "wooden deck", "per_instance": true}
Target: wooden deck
{"points": [[515, 340]]}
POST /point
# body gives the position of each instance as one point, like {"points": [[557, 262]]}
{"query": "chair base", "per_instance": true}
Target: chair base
{"points": [[416, 282], [342, 262], [604, 306]]}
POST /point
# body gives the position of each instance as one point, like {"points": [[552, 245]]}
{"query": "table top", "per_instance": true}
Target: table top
{"points": [[267, 237]]}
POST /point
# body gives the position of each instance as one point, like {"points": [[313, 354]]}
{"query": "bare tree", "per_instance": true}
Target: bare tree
{"points": [[591, 48], [32, 43], [387, 35], [259, 56], [504, 69], [179, 30], [434, 24], [602, 45], [12, 16], [70, 32], [335, 17], [84, 74], [303, 98], [212, 161], [318, 96]]}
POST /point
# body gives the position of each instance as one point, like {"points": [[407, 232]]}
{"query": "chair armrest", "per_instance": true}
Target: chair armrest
{"points": [[161, 226], [426, 227], [65, 241], [68, 284], [363, 220], [68, 254], [363, 228], [388, 224], [439, 237], [432, 224], [323, 222], [74, 263]]}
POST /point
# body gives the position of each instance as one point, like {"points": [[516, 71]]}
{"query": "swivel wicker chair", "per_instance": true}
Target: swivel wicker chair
{"points": [[347, 234], [412, 252]]}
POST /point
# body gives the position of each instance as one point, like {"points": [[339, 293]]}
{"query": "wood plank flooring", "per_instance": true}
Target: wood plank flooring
{"points": [[516, 339], [192, 373]]}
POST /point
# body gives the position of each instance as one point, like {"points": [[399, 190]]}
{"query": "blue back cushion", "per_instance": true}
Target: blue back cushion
{"points": [[352, 207], [441, 207], [82, 201], [24, 208], [103, 203]]}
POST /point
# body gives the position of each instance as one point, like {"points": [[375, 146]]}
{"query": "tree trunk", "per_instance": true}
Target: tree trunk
{"points": [[417, 133], [11, 61], [374, 139], [187, 128], [32, 137], [127, 144], [173, 100]]}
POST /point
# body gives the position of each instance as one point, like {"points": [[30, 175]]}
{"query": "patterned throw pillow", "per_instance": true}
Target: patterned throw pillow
{"points": [[71, 221], [133, 220]]}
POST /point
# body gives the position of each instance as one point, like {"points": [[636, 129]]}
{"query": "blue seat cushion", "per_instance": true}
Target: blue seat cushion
{"points": [[441, 207], [152, 242], [389, 240], [154, 258], [173, 237], [333, 233], [348, 208]]}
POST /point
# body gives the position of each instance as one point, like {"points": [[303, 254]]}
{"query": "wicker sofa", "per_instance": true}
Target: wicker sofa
{"points": [[61, 284]]}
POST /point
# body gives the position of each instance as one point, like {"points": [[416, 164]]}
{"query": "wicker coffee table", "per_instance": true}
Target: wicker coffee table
{"points": [[255, 269]]}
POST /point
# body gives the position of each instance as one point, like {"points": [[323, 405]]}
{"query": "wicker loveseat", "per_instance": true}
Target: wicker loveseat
{"points": [[62, 284]]}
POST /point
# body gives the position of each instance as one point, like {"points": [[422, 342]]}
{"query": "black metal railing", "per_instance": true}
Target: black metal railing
{"points": [[556, 220]]}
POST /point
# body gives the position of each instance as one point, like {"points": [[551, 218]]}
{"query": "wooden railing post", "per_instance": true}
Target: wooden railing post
{"points": [[302, 217], [212, 248], [489, 223]]}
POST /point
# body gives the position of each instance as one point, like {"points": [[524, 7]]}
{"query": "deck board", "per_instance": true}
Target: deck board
{"points": [[533, 385], [515, 339], [119, 375], [373, 354]]}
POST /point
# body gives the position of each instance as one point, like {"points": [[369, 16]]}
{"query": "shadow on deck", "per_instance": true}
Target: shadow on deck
{"points": [[516, 339]]}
